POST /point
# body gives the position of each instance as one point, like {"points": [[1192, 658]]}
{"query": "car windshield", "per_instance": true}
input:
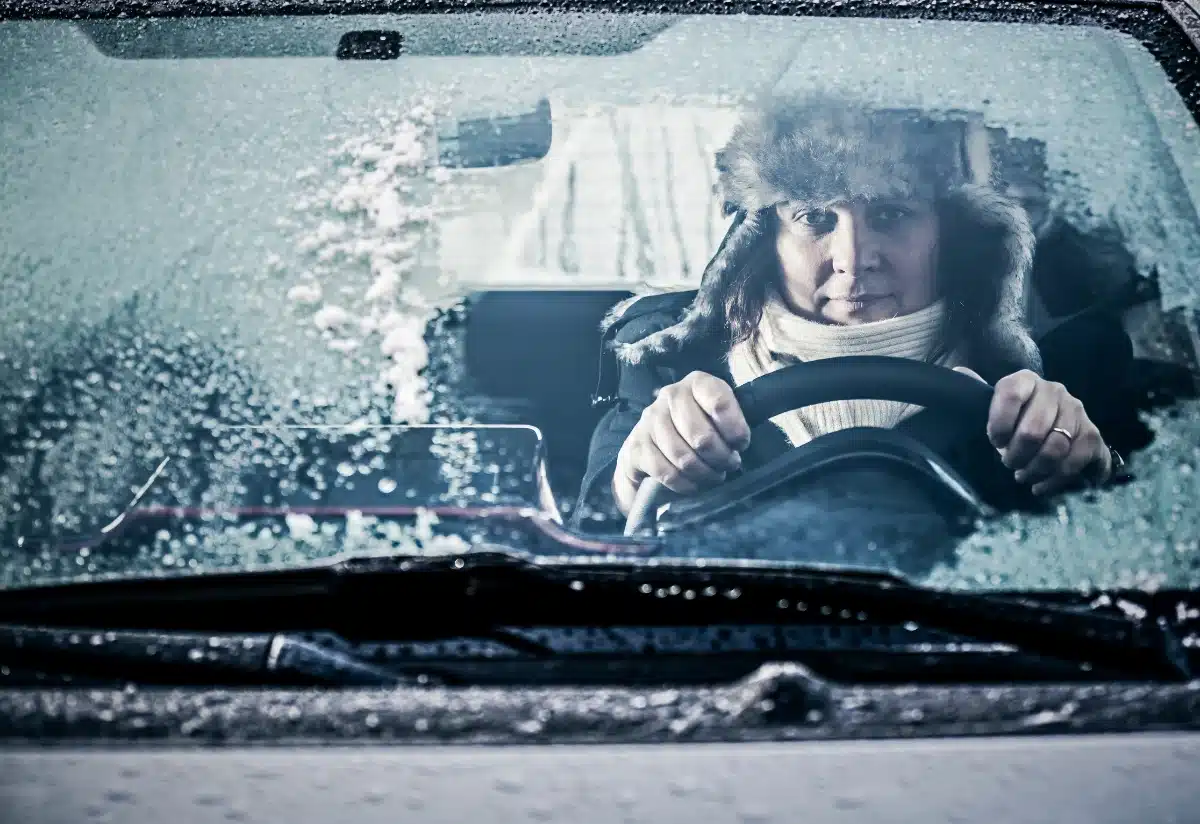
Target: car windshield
{"points": [[263, 274]]}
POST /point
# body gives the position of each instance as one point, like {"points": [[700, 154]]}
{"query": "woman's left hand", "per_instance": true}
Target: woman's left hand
{"points": [[1044, 434]]}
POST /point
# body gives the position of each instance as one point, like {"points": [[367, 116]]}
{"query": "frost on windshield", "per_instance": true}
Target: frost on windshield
{"points": [[88, 425], [1144, 534], [298, 538], [295, 255], [89, 414]]}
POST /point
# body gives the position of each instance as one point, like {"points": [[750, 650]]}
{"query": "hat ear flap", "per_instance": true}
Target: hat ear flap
{"points": [[988, 246], [706, 308]]}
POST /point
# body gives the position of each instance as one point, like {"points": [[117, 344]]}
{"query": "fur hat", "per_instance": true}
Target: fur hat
{"points": [[821, 152]]}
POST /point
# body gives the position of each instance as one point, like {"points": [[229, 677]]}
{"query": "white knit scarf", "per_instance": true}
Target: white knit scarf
{"points": [[784, 338]]}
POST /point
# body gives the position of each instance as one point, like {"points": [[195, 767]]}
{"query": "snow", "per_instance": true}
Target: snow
{"points": [[400, 339], [385, 286], [378, 184], [331, 317], [301, 527]]}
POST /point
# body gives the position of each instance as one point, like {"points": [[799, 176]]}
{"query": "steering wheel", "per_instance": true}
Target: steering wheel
{"points": [[965, 400]]}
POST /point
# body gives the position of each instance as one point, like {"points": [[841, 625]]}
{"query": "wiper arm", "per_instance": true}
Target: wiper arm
{"points": [[480, 594]]}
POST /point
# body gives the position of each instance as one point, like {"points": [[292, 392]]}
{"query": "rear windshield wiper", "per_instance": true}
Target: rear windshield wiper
{"points": [[480, 594]]}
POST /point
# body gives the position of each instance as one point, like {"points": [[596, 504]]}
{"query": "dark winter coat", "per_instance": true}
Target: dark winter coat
{"points": [[1089, 354]]}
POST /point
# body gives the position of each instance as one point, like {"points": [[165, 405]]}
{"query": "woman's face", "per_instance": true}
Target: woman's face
{"points": [[860, 261]]}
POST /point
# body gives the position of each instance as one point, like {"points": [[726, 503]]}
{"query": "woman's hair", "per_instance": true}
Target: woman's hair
{"points": [[962, 298], [752, 281]]}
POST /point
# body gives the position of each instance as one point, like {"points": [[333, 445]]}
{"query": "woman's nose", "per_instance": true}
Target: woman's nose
{"points": [[854, 246]]}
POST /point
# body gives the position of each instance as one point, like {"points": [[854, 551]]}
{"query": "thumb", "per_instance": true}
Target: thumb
{"points": [[969, 373]]}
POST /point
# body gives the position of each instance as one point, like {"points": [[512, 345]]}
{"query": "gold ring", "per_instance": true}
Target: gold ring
{"points": [[1064, 433]]}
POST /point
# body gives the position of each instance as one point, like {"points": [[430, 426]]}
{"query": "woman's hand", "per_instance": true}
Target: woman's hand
{"points": [[1044, 434], [688, 439]]}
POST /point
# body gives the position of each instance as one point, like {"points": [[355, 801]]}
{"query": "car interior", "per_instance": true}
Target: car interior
{"points": [[1080, 282]]}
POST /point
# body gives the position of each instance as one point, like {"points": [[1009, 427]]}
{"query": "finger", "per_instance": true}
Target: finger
{"points": [[672, 445], [1056, 447], [627, 464], [717, 400], [1087, 450], [700, 433], [649, 459], [1036, 419], [1012, 393], [626, 477]]}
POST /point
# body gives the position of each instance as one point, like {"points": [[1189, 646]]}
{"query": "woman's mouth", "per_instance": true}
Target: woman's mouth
{"points": [[857, 303]]}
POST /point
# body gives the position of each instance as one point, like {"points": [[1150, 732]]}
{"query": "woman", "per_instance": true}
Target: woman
{"points": [[856, 232]]}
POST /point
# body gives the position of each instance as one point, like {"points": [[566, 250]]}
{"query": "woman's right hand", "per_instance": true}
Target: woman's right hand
{"points": [[688, 439]]}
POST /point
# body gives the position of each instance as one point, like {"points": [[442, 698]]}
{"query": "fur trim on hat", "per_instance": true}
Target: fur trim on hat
{"points": [[706, 307], [819, 153], [985, 275]]}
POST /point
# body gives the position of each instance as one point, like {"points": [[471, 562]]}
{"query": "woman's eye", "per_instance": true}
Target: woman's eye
{"points": [[816, 218], [890, 214]]}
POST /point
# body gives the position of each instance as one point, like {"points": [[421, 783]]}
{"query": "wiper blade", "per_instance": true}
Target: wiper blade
{"points": [[481, 593], [280, 659], [1139, 647]]}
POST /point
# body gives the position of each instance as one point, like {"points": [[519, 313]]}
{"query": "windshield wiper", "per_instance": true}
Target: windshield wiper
{"points": [[480, 594], [281, 659]]}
